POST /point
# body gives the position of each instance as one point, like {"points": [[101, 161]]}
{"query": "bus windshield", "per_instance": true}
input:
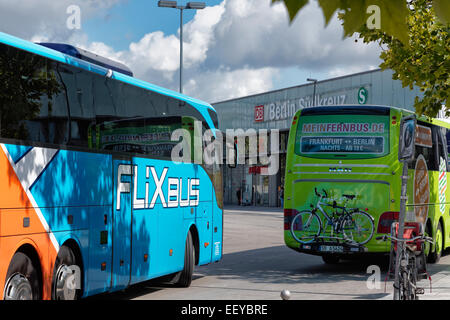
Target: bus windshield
{"points": [[352, 136]]}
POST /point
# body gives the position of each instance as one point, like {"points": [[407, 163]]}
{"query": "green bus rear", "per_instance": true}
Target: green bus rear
{"points": [[354, 150]]}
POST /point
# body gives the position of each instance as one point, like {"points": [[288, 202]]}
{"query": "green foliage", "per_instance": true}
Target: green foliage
{"points": [[414, 36], [293, 6], [393, 13], [442, 10], [424, 62]]}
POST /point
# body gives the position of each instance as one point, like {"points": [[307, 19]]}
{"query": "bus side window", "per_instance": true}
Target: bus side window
{"points": [[78, 113], [438, 148], [34, 107], [431, 155], [442, 146]]}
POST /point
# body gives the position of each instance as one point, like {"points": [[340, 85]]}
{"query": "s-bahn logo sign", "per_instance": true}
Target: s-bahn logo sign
{"points": [[363, 95]]}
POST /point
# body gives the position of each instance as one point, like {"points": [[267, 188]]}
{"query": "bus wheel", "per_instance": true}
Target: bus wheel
{"points": [[65, 284], [434, 256], [184, 278], [330, 259], [22, 280]]}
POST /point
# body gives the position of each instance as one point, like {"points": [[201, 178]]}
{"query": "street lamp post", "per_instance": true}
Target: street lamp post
{"points": [[189, 5], [314, 92]]}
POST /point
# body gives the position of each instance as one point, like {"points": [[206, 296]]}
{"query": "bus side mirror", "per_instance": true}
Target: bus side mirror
{"points": [[407, 145]]}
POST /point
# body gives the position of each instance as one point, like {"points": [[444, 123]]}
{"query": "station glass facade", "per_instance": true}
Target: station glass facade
{"points": [[275, 109]]}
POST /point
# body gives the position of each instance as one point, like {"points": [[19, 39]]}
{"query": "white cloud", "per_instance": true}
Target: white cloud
{"points": [[256, 34], [45, 19], [222, 84], [199, 33], [156, 51], [230, 50], [339, 71]]}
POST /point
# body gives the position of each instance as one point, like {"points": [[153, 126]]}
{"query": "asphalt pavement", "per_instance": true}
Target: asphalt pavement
{"points": [[256, 265]]}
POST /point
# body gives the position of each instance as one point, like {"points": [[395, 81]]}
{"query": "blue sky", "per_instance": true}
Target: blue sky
{"points": [[130, 20], [232, 48]]}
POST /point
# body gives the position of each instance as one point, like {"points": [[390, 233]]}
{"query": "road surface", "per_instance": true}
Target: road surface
{"points": [[256, 265]]}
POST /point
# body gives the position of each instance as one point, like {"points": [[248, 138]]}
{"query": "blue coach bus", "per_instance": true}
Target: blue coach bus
{"points": [[106, 217]]}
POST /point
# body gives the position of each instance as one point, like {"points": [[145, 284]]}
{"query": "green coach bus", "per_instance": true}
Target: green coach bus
{"points": [[343, 181]]}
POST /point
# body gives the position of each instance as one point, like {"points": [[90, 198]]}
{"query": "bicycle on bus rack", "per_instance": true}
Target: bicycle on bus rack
{"points": [[356, 226], [412, 259]]}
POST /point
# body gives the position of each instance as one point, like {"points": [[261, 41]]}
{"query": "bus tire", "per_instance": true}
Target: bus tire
{"points": [[63, 281], [435, 255], [184, 278], [22, 279]]}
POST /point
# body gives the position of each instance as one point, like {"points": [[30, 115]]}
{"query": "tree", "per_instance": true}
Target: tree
{"points": [[414, 36], [424, 62], [393, 13]]}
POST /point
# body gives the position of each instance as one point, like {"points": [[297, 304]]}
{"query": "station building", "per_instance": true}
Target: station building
{"points": [[275, 109]]}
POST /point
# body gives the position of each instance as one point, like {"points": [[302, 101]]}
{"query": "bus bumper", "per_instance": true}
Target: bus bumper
{"points": [[339, 249], [322, 248]]}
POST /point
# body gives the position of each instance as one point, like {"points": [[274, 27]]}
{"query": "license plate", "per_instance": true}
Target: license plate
{"points": [[332, 248]]}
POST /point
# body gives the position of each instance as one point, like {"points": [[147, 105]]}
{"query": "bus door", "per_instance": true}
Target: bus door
{"points": [[122, 217]]}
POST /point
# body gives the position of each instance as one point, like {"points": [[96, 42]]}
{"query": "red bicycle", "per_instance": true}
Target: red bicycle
{"points": [[412, 259]]}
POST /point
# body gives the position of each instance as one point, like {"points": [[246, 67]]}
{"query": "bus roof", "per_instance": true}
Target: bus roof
{"points": [[324, 110], [50, 53], [89, 57]]}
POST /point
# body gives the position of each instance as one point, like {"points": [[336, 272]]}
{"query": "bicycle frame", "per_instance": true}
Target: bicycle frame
{"points": [[408, 267], [355, 225], [335, 223]]}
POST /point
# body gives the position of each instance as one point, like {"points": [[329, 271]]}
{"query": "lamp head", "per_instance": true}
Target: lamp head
{"points": [[195, 5], [167, 4]]}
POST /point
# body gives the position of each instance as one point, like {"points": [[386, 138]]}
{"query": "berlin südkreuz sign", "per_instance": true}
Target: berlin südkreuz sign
{"points": [[282, 110]]}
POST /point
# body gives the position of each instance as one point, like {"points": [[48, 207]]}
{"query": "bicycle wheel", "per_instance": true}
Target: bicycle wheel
{"points": [[359, 228], [412, 279], [407, 285], [403, 293], [305, 226]]}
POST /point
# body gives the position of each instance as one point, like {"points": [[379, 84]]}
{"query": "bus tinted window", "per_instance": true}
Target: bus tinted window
{"points": [[33, 104], [50, 102], [434, 154]]}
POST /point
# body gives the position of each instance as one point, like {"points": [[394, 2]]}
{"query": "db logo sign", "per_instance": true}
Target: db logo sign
{"points": [[259, 113]]}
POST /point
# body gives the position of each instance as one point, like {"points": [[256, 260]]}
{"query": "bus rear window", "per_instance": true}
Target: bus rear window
{"points": [[348, 136]]}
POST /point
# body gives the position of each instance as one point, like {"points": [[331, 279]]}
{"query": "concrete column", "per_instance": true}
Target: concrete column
{"points": [[273, 190]]}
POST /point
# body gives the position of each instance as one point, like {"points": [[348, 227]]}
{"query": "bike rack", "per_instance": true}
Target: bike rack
{"points": [[352, 243]]}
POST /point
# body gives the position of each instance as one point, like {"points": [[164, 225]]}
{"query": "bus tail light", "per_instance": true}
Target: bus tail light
{"points": [[294, 121], [386, 220], [289, 214]]}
